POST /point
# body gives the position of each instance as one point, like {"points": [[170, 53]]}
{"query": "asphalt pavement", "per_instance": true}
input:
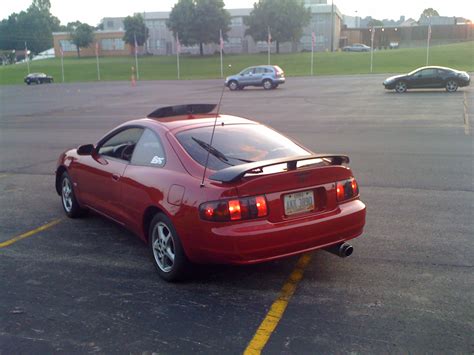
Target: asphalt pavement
{"points": [[87, 285]]}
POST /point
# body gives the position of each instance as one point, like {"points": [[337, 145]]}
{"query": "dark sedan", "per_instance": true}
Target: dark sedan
{"points": [[428, 78], [38, 78]]}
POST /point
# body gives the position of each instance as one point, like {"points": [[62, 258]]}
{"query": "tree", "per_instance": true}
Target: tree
{"points": [[375, 23], [429, 12], [210, 18], [82, 36], [34, 26], [284, 18], [199, 22], [135, 28]]}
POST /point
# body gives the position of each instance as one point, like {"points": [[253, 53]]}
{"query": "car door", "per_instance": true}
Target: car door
{"points": [[441, 77], [141, 183], [99, 175], [425, 78], [258, 76], [246, 76]]}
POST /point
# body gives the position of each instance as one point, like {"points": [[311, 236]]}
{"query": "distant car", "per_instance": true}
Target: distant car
{"points": [[38, 78], [246, 196], [356, 47], [267, 76], [428, 78]]}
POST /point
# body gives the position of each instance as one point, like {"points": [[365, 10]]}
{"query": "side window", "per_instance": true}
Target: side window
{"points": [[248, 71], [149, 151], [260, 70], [122, 144], [427, 73]]}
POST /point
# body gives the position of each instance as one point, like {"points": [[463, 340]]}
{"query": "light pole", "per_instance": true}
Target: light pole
{"points": [[382, 38], [332, 25]]}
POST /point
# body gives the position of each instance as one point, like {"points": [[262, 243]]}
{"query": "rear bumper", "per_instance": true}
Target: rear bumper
{"points": [[259, 241]]}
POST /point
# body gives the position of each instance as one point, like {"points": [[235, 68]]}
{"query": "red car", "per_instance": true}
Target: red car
{"points": [[201, 187]]}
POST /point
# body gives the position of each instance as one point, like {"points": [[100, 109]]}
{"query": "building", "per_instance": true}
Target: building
{"points": [[109, 43], [326, 22], [409, 36]]}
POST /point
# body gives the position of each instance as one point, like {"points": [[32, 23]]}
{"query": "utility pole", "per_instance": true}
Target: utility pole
{"points": [[332, 25]]}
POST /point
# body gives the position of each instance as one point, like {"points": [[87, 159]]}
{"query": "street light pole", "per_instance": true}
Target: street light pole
{"points": [[332, 25]]}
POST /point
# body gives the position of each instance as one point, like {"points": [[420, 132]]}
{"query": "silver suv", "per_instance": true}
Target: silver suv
{"points": [[267, 76]]}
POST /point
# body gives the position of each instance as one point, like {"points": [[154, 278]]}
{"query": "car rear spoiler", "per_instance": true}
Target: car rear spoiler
{"points": [[180, 110], [235, 173]]}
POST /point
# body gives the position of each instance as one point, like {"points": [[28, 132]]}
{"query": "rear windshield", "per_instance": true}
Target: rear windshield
{"points": [[238, 144]]}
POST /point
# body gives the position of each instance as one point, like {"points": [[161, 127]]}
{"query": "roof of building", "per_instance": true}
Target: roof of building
{"points": [[239, 12]]}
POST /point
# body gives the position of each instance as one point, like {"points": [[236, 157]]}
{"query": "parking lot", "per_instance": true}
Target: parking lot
{"points": [[87, 285]]}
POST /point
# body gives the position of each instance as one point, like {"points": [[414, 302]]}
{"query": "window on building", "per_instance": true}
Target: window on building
{"points": [[67, 45], [234, 41], [236, 21], [112, 44], [160, 44]]}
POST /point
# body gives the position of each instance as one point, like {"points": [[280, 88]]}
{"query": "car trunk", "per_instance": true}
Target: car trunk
{"points": [[298, 193]]}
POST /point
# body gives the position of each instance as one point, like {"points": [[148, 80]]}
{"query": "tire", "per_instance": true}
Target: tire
{"points": [[233, 85], [68, 199], [451, 86], [28, 82], [166, 250], [38, 81], [267, 84], [401, 87]]}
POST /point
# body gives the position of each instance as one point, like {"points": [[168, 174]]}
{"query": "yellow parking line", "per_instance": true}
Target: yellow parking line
{"points": [[268, 325], [30, 233]]}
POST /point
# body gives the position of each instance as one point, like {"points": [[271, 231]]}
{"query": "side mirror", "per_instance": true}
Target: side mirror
{"points": [[86, 149]]}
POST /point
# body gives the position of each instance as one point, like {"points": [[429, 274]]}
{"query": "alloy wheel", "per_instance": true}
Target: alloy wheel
{"points": [[401, 87], [451, 86], [267, 85], [66, 194], [233, 85], [163, 247]]}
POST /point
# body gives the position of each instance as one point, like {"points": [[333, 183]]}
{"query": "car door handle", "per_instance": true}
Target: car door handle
{"points": [[115, 177]]}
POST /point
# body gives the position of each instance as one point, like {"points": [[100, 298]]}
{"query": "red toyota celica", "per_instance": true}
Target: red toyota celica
{"points": [[201, 187]]}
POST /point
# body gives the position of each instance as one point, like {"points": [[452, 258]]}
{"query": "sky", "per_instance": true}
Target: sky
{"points": [[92, 11]]}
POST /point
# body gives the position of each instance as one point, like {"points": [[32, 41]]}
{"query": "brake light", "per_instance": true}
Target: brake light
{"points": [[234, 210], [347, 189], [261, 205]]}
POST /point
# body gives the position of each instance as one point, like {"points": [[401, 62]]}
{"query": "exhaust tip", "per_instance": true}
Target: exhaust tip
{"points": [[346, 250], [342, 250]]}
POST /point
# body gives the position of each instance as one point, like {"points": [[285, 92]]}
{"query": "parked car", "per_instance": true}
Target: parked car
{"points": [[356, 47], [267, 76], [38, 78], [254, 195], [428, 77]]}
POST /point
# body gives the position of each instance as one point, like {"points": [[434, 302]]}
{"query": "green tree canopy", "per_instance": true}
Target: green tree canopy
{"points": [[135, 27], [33, 26], [429, 12], [82, 36], [199, 22], [375, 23], [285, 19]]}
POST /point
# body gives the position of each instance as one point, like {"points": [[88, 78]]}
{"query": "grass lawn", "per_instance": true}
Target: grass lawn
{"points": [[459, 56]]}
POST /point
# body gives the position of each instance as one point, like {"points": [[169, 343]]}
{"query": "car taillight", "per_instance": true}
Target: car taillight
{"points": [[234, 210], [347, 189]]}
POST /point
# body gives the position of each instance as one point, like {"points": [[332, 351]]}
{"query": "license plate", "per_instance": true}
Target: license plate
{"points": [[299, 202]]}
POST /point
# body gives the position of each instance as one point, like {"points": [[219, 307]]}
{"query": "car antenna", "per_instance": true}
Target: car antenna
{"points": [[212, 136]]}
